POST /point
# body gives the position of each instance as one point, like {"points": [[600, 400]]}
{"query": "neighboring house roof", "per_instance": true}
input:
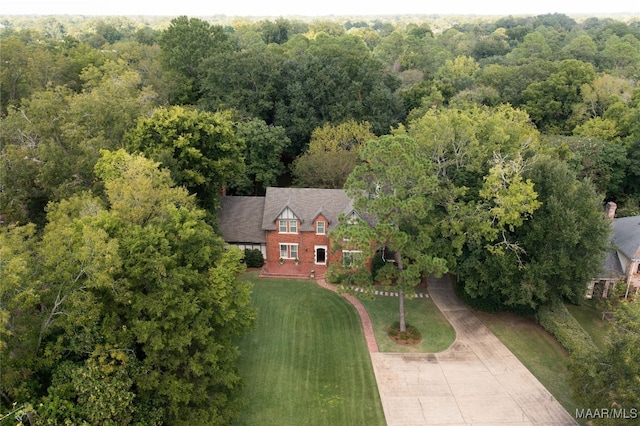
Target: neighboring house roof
{"points": [[240, 219], [306, 204], [626, 236], [611, 266]]}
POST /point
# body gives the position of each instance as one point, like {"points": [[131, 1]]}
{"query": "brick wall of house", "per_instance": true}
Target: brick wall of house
{"points": [[307, 242]]}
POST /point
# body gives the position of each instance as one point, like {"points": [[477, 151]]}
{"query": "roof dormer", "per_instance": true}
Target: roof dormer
{"points": [[287, 222]]}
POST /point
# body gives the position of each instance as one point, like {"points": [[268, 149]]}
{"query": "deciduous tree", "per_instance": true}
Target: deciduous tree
{"points": [[201, 149], [264, 147], [125, 310], [185, 45], [556, 251], [333, 153]]}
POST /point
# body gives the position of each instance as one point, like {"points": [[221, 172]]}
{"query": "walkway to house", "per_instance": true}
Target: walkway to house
{"points": [[476, 381]]}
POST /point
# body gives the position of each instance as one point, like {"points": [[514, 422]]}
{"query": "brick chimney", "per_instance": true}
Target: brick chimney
{"points": [[610, 209]]}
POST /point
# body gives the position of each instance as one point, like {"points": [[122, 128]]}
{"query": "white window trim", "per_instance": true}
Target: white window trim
{"points": [[324, 227], [288, 223], [288, 248]]}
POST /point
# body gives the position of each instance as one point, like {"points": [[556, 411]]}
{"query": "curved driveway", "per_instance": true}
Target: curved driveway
{"points": [[476, 381]]}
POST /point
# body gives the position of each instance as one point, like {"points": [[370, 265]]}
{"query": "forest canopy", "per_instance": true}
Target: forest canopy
{"points": [[119, 135]]}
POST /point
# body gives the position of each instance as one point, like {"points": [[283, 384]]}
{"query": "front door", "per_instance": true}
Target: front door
{"points": [[321, 255]]}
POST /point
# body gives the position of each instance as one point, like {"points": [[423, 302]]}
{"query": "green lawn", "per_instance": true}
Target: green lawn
{"points": [[536, 349], [591, 320], [306, 362], [437, 333]]}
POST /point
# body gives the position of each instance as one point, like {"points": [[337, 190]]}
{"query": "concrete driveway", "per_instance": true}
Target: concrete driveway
{"points": [[476, 381]]}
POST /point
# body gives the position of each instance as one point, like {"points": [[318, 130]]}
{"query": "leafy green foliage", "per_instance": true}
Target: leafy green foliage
{"points": [[556, 319], [333, 153], [394, 184], [200, 148], [264, 147], [53, 140], [553, 254], [609, 378], [185, 45], [572, 78], [128, 311], [253, 258], [245, 80], [317, 90]]}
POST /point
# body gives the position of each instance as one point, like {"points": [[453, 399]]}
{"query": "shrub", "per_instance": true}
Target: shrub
{"points": [[253, 258], [557, 320], [337, 274], [376, 264]]}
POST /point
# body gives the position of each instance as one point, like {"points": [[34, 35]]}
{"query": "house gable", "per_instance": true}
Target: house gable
{"points": [[623, 261], [306, 204], [626, 237], [320, 224]]}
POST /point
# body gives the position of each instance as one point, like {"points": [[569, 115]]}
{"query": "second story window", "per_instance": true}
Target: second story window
{"points": [[320, 229], [287, 222], [288, 226]]}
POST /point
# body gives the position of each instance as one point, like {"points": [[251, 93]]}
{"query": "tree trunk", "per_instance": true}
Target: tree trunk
{"points": [[403, 325]]}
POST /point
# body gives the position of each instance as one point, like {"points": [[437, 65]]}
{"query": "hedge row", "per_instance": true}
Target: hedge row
{"points": [[557, 320]]}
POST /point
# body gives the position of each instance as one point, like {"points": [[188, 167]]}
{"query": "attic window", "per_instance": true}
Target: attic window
{"points": [[287, 222], [320, 228]]}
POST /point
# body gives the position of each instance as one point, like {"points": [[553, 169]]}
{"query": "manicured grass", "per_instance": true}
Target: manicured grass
{"points": [[591, 320], [306, 362], [437, 333], [536, 349]]}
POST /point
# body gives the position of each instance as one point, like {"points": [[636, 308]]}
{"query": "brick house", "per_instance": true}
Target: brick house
{"points": [[622, 263], [290, 225]]}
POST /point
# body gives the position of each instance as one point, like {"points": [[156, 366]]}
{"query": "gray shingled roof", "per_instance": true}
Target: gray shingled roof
{"points": [[306, 204], [626, 236], [241, 219], [611, 267]]}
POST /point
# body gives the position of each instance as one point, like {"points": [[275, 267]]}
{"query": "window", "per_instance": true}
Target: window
{"points": [[288, 226], [320, 228], [351, 258], [288, 251], [287, 222]]}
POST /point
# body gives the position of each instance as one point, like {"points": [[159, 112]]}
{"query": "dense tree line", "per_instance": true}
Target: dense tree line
{"points": [[507, 135], [576, 80]]}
